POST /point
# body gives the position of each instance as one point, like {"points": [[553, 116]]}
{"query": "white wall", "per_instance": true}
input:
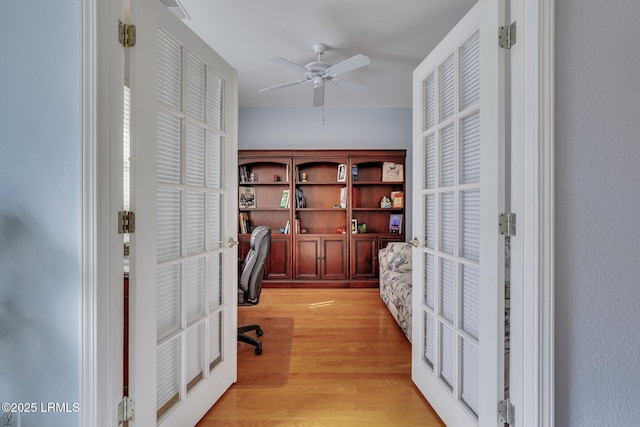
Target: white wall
{"points": [[597, 213], [344, 128], [40, 206]]}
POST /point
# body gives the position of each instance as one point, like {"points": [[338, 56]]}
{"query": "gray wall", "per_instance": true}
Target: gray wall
{"points": [[344, 128], [597, 212], [302, 128], [40, 207]]}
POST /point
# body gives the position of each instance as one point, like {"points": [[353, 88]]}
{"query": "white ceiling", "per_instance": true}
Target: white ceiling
{"points": [[395, 35]]}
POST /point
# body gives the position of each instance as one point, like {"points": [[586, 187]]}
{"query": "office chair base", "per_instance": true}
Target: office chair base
{"points": [[249, 340]]}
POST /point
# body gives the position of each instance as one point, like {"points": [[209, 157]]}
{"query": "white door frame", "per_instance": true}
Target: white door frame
{"points": [[532, 193], [102, 311], [108, 55]]}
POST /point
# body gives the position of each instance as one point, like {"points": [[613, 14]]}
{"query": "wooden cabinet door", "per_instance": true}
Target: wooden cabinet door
{"points": [[279, 262], [334, 258], [364, 257], [307, 258]]}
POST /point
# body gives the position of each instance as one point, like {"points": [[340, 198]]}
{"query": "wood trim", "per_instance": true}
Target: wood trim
{"points": [[324, 153]]}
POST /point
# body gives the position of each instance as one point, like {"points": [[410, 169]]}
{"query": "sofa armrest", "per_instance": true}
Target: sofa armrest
{"points": [[395, 257]]}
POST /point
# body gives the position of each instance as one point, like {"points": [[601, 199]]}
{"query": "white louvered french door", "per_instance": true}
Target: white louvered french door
{"points": [[457, 360], [183, 274]]}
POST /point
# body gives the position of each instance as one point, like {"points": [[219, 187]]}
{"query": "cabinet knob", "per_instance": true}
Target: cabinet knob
{"points": [[232, 242], [414, 242]]}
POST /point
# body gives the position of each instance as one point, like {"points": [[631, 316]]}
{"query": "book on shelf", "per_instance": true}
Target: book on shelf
{"points": [[287, 228], [286, 176], [397, 199], [395, 223], [243, 174], [284, 201], [246, 197], [392, 172], [244, 222]]}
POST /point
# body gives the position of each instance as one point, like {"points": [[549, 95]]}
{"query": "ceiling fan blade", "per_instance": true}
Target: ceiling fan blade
{"points": [[289, 64], [283, 85], [349, 64], [318, 95]]}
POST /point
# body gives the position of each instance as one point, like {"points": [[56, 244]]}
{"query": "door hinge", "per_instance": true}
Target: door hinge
{"points": [[506, 412], [126, 34], [507, 224], [507, 36], [126, 222], [126, 410]]}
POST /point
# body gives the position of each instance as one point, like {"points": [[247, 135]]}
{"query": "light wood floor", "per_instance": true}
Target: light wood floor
{"points": [[350, 366]]}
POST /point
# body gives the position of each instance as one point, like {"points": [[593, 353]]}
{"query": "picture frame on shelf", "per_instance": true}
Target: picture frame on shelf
{"points": [[392, 172], [397, 199], [300, 202], [246, 198], [284, 201], [342, 172], [395, 224], [354, 226]]}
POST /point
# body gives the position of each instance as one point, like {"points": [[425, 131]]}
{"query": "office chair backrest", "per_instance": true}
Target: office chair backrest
{"points": [[253, 270]]}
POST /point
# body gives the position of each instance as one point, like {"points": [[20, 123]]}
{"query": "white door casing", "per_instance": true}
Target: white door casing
{"points": [[532, 195], [183, 277], [458, 267], [109, 107]]}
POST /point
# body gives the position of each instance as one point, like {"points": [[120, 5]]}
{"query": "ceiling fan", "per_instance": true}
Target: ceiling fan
{"points": [[319, 72]]}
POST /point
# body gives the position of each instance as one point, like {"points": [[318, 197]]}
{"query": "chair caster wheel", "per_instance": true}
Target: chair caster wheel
{"points": [[258, 351], [259, 332]]}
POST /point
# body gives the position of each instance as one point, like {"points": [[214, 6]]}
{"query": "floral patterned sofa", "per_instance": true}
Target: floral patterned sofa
{"points": [[395, 282]]}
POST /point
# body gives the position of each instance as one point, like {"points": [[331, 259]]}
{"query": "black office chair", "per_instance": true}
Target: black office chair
{"points": [[250, 283]]}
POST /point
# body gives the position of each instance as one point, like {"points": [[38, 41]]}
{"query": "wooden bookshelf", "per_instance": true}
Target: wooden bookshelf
{"points": [[319, 248]]}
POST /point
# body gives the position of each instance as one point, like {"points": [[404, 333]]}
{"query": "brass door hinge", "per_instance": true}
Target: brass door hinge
{"points": [[126, 222], [126, 34]]}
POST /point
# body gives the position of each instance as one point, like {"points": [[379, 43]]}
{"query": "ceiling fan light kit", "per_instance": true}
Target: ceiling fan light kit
{"points": [[319, 72]]}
